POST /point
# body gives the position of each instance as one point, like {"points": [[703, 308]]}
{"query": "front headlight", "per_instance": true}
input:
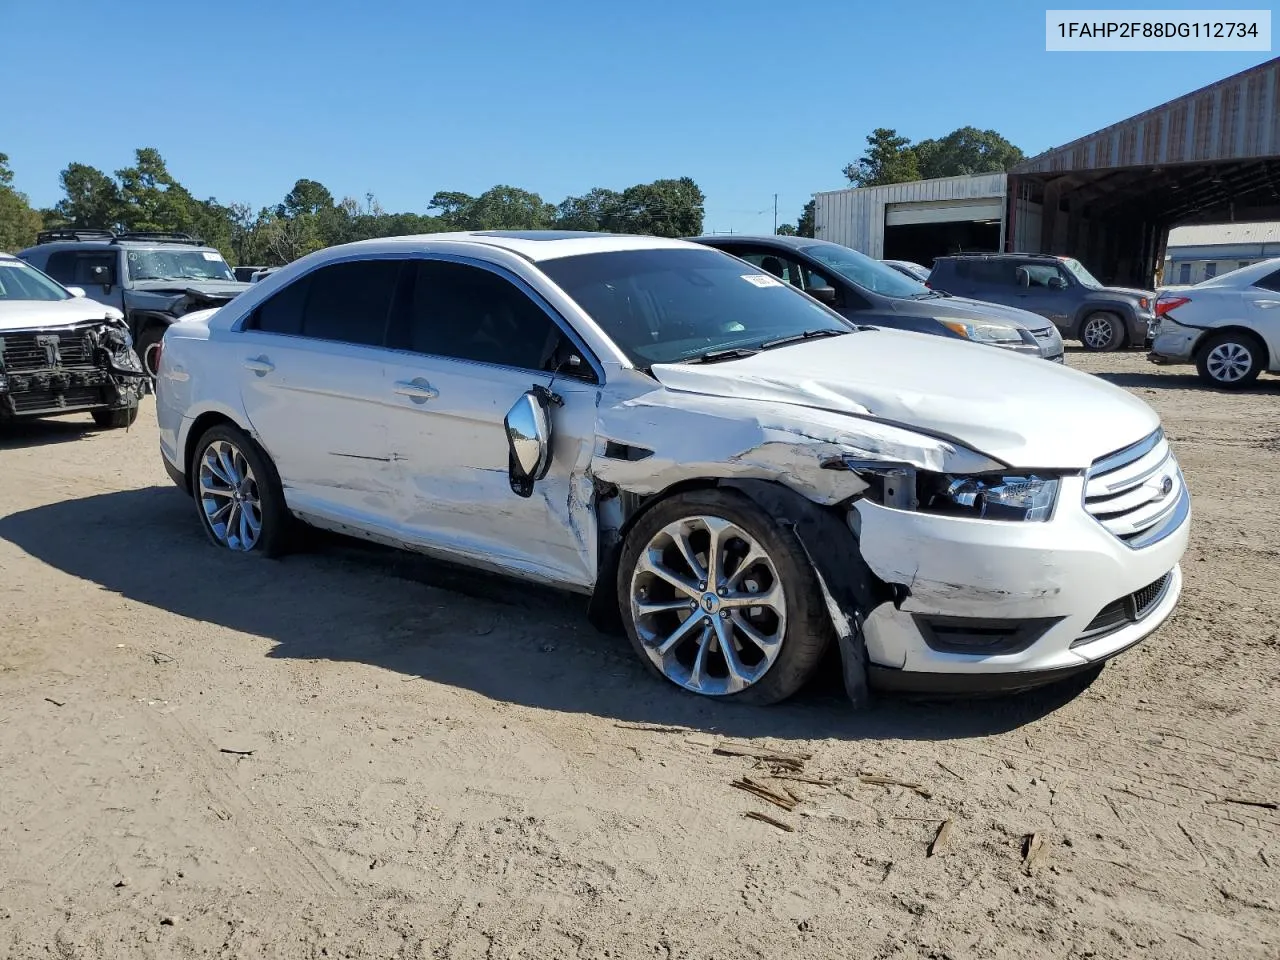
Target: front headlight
{"points": [[1008, 497], [983, 331]]}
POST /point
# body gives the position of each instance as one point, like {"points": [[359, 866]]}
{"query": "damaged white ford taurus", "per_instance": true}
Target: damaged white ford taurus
{"points": [[733, 469]]}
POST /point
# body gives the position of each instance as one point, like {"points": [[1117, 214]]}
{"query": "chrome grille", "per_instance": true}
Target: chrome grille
{"points": [[33, 350], [1120, 613], [1044, 333], [1138, 493]]}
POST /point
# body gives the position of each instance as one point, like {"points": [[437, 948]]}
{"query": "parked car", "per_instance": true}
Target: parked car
{"points": [[729, 466], [867, 291], [152, 278], [1229, 326], [262, 273], [1059, 288], [915, 271], [61, 353], [245, 274]]}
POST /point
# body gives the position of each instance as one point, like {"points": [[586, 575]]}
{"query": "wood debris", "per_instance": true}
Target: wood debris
{"points": [[765, 818], [1263, 804], [1034, 852], [802, 778], [766, 793], [876, 779], [790, 762], [56, 703], [939, 843]]}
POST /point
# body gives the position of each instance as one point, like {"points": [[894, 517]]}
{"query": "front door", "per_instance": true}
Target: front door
{"points": [[312, 366], [1043, 288], [97, 272], [472, 341]]}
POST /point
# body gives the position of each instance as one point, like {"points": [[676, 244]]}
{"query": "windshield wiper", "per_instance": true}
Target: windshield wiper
{"points": [[715, 356], [927, 295], [798, 337]]}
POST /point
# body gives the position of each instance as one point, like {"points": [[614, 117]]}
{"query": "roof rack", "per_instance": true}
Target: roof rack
{"points": [[159, 236], [73, 234]]}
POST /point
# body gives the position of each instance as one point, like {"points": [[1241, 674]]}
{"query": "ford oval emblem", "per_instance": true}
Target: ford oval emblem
{"points": [[1166, 486]]}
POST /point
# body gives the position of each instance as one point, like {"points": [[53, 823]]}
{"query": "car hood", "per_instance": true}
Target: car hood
{"points": [[963, 308], [26, 314], [1132, 292], [1019, 410], [209, 288]]}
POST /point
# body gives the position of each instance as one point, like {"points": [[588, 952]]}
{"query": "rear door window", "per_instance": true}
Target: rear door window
{"points": [[990, 273], [345, 302], [82, 269]]}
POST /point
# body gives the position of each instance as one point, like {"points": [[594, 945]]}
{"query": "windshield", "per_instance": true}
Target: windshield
{"points": [[1078, 271], [178, 265], [21, 281], [863, 271], [665, 306]]}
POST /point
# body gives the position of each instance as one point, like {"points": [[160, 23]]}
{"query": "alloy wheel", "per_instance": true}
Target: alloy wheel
{"points": [[229, 496], [1098, 332], [708, 606], [1229, 362]]}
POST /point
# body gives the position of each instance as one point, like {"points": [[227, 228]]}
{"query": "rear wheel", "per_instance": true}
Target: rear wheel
{"points": [[1102, 332], [1230, 360], [720, 600], [117, 419], [238, 494]]}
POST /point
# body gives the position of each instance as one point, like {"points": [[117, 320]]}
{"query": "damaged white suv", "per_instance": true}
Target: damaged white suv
{"points": [[739, 473]]}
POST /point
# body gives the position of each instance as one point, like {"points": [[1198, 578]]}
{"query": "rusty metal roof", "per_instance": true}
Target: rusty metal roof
{"points": [[1234, 119]]}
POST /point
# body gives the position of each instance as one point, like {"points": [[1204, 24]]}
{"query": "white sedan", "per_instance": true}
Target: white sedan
{"points": [[1229, 327], [721, 461]]}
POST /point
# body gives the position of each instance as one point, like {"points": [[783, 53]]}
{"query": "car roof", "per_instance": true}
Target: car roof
{"points": [[1002, 256], [532, 245], [777, 240]]}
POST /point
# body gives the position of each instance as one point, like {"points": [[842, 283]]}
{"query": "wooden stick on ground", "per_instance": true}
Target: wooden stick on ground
{"points": [[765, 818]]}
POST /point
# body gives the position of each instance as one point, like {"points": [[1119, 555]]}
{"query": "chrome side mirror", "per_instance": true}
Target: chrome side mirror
{"points": [[528, 426]]}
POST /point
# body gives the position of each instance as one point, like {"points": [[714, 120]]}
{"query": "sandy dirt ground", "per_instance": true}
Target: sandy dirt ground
{"points": [[353, 753]]}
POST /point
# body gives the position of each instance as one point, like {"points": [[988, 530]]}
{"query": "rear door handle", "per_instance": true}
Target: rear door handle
{"points": [[259, 365], [417, 390]]}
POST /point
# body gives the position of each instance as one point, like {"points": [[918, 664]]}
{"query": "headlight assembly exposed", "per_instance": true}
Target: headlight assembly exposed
{"points": [[987, 496], [982, 331]]}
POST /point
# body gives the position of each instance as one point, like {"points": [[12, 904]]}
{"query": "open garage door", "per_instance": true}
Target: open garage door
{"points": [[920, 231], [943, 211]]}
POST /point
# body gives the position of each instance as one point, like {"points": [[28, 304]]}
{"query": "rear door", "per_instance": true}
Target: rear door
{"points": [[472, 340], [312, 372]]}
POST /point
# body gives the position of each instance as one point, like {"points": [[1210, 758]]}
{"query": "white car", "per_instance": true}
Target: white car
{"points": [[727, 464], [1229, 326], [61, 353], [910, 269]]}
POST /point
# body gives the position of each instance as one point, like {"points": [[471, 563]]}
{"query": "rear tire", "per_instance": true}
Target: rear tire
{"points": [[775, 643], [118, 419], [238, 495], [1102, 332], [1230, 360]]}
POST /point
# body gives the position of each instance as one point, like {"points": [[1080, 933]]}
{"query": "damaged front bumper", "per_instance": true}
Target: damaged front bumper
{"points": [[53, 371], [990, 606]]}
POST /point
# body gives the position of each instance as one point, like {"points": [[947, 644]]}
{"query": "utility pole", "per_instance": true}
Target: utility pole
{"points": [[775, 214]]}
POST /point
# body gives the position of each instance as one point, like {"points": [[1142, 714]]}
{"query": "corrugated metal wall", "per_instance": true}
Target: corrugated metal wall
{"points": [[855, 217], [1234, 119]]}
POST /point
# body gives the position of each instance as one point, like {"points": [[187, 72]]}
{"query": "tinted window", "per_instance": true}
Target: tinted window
{"points": [[78, 269], [469, 313], [786, 268], [662, 306], [1037, 274], [282, 313], [864, 272], [349, 302], [1270, 282], [993, 272]]}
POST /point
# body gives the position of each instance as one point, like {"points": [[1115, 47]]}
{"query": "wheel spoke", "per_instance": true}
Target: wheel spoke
{"points": [[738, 676], [678, 634], [647, 608], [254, 515], [771, 598], [219, 515], [648, 565], [215, 468], [245, 540], [696, 678], [750, 560], [715, 541], [681, 540], [748, 630]]}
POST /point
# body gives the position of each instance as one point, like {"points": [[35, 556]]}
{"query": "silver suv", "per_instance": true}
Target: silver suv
{"points": [[1059, 288], [152, 278]]}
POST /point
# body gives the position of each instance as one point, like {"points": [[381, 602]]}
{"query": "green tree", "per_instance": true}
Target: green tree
{"points": [[150, 198], [92, 199], [889, 159], [804, 226], [18, 221], [663, 208], [307, 196], [965, 151], [454, 208], [594, 210]]}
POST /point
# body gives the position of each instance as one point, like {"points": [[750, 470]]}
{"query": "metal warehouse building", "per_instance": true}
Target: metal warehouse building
{"points": [[1108, 199]]}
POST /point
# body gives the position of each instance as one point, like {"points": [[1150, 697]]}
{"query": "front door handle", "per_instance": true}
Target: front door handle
{"points": [[417, 390], [259, 365], [1266, 304]]}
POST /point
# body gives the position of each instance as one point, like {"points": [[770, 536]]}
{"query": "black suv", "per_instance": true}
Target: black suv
{"points": [[1059, 288]]}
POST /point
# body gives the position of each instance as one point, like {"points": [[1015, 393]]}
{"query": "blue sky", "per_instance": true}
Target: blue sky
{"points": [[402, 99]]}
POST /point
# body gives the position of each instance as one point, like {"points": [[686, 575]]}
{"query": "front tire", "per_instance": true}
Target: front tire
{"points": [[146, 346], [1230, 360], [1102, 332], [238, 495], [720, 600], [119, 419]]}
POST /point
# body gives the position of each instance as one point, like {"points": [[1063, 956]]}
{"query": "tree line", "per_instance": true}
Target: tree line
{"points": [[891, 158], [146, 196]]}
